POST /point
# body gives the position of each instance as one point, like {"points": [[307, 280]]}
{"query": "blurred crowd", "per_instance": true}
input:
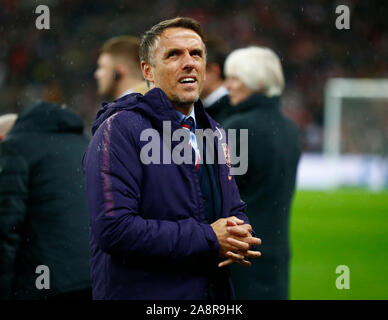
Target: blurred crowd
{"points": [[57, 65]]}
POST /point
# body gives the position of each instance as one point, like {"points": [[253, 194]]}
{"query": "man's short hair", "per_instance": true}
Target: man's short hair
{"points": [[217, 50], [258, 68], [150, 37], [125, 48]]}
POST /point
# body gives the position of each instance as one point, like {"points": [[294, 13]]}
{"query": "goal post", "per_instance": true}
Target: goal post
{"points": [[355, 117]]}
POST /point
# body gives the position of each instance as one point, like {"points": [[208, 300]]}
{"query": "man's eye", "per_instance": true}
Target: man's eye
{"points": [[197, 53], [171, 54]]}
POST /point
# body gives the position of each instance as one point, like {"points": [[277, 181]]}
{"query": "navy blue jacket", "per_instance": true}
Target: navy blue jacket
{"points": [[43, 211], [149, 238]]}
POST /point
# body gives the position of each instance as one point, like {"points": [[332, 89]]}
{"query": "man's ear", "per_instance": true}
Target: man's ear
{"points": [[146, 68], [121, 70]]}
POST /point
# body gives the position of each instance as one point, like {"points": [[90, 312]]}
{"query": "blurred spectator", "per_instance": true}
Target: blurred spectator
{"points": [[6, 123], [214, 95], [255, 82], [43, 212], [118, 72]]}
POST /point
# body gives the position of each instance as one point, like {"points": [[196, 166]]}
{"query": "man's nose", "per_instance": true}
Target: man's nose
{"points": [[188, 61]]}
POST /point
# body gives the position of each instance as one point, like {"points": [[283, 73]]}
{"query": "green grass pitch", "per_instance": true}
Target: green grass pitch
{"points": [[345, 227]]}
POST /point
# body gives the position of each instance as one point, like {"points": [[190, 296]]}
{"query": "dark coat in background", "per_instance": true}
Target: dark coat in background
{"points": [[267, 188], [220, 109], [43, 211]]}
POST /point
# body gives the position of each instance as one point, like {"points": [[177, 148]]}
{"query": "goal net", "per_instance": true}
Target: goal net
{"points": [[356, 117], [355, 138]]}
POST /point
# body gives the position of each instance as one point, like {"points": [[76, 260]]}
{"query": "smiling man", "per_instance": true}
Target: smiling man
{"points": [[177, 66], [162, 231]]}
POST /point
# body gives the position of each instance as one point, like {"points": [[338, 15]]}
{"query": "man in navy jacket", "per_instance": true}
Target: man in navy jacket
{"points": [[162, 230]]}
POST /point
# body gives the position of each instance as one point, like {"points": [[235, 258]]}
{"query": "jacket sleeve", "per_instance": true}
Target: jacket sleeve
{"points": [[13, 198], [113, 182]]}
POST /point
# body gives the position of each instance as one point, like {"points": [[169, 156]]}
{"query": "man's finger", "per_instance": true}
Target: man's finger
{"points": [[238, 231], [245, 263], [235, 256], [225, 263], [240, 245], [252, 254], [229, 261], [236, 220], [231, 223], [248, 227], [253, 241]]}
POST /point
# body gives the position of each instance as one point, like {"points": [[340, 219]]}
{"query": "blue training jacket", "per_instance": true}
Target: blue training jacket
{"points": [[149, 238]]}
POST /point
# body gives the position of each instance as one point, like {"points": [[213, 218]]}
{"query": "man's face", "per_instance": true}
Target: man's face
{"points": [[178, 66], [104, 75]]}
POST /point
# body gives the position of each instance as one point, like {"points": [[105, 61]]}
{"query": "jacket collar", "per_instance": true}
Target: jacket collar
{"points": [[258, 100], [155, 105]]}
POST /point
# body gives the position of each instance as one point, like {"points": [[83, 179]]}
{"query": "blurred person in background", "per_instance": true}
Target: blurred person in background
{"points": [[255, 82], [6, 123], [214, 94], [118, 68], [43, 212]]}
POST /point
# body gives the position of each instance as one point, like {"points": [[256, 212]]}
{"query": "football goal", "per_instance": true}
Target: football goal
{"points": [[356, 117]]}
